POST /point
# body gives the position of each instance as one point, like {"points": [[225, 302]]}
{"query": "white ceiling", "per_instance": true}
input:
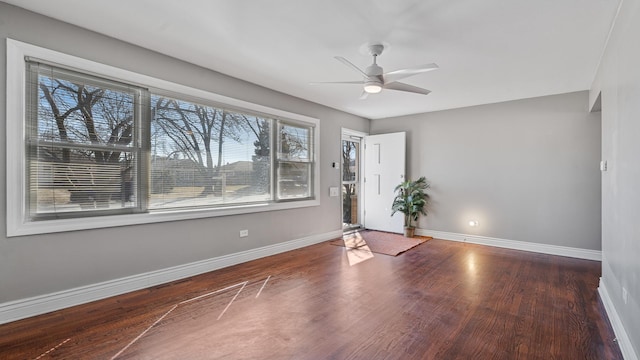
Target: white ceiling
{"points": [[488, 51]]}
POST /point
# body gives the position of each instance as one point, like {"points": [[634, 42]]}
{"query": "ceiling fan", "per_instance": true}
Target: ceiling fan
{"points": [[375, 79]]}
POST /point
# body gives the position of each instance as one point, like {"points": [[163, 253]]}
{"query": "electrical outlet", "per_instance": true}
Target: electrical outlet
{"points": [[625, 295], [244, 233]]}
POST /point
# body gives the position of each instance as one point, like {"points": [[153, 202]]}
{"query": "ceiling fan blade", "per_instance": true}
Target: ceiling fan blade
{"points": [[336, 82], [364, 95], [350, 64], [406, 87], [404, 73]]}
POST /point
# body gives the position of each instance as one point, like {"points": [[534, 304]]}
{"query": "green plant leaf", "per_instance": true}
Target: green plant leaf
{"points": [[411, 199]]}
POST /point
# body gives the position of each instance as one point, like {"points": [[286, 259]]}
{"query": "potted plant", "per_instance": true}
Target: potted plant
{"points": [[411, 200]]}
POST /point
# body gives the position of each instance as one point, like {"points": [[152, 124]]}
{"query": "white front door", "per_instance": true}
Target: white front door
{"points": [[384, 165]]}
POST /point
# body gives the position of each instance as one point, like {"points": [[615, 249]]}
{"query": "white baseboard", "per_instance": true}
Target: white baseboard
{"points": [[515, 245], [24, 308], [621, 335]]}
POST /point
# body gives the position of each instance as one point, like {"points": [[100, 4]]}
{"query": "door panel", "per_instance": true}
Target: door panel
{"points": [[384, 169]]}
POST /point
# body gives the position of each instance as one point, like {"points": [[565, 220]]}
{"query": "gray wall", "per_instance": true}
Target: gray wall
{"points": [[42, 264], [618, 82], [527, 170]]}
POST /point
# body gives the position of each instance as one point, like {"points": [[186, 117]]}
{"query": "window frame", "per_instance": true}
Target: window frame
{"points": [[278, 158], [16, 162], [32, 141]]}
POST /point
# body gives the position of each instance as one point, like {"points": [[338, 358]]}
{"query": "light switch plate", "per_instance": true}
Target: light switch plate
{"points": [[603, 165], [334, 191]]}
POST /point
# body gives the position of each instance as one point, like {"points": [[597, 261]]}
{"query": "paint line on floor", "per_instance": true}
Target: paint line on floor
{"points": [[144, 332], [244, 283], [52, 349], [213, 292], [263, 285], [230, 302]]}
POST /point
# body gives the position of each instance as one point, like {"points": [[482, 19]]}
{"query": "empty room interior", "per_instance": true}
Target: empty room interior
{"points": [[181, 179]]}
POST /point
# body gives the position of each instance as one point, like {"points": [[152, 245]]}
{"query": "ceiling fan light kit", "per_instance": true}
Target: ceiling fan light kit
{"points": [[372, 87], [375, 79]]}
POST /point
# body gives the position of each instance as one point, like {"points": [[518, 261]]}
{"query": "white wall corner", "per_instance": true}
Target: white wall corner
{"points": [[595, 90], [595, 104], [37, 305], [626, 347], [515, 245]]}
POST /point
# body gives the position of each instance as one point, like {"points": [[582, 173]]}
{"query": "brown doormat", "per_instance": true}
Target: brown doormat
{"points": [[380, 242]]}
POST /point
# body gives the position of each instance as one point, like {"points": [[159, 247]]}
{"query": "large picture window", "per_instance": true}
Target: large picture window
{"points": [[119, 148], [82, 148], [207, 156]]}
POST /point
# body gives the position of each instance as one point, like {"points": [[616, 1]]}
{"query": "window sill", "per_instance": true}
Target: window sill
{"points": [[64, 225]]}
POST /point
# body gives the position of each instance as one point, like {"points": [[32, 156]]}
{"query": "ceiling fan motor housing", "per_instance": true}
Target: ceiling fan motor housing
{"points": [[373, 82], [373, 70]]}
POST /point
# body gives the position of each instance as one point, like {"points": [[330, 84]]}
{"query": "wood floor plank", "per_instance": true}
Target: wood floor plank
{"points": [[440, 300]]}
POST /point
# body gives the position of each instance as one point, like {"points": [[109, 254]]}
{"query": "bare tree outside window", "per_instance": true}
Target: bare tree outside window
{"points": [[83, 154], [294, 161], [96, 145], [206, 154], [261, 129]]}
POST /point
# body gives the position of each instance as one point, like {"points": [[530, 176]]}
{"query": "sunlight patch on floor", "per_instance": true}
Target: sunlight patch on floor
{"points": [[356, 248]]}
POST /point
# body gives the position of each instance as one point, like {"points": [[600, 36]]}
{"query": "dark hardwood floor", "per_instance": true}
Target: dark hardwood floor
{"points": [[440, 300]]}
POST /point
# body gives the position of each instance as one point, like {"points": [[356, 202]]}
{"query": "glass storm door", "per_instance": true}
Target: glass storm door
{"points": [[350, 182]]}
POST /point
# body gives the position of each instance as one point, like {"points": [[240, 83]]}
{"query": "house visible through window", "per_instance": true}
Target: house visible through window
{"points": [[82, 143], [207, 156], [95, 145]]}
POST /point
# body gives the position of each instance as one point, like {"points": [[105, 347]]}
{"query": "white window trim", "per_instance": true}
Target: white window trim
{"points": [[16, 157]]}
